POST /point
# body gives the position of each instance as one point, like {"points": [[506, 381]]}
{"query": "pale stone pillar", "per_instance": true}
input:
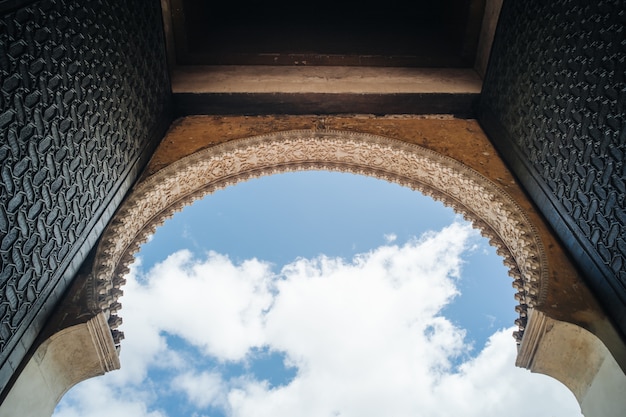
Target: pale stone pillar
{"points": [[579, 360], [68, 357]]}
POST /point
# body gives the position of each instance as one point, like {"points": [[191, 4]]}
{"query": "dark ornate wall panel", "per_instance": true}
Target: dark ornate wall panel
{"points": [[84, 96], [553, 102]]}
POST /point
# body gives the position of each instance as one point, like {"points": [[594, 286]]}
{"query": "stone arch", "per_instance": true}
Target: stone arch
{"points": [[469, 193], [567, 344]]}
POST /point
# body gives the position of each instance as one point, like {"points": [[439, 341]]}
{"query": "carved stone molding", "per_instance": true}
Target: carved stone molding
{"points": [[478, 199]]}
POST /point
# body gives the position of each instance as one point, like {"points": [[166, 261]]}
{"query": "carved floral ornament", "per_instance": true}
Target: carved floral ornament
{"points": [[469, 193]]}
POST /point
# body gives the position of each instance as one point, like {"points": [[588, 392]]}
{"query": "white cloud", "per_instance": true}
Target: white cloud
{"points": [[203, 389], [213, 304], [100, 397], [490, 385], [367, 336], [390, 237]]}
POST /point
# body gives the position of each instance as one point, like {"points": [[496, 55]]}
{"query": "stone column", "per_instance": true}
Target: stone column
{"points": [[68, 357]]}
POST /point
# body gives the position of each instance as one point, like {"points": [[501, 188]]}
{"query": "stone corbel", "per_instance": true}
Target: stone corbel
{"points": [[576, 358], [72, 355]]}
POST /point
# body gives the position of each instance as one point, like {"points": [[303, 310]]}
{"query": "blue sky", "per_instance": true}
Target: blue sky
{"points": [[318, 293]]}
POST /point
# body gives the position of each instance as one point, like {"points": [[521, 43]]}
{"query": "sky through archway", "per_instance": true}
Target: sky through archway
{"points": [[317, 293]]}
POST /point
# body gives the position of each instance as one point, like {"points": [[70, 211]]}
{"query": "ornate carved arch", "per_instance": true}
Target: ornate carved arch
{"points": [[469, 193]]}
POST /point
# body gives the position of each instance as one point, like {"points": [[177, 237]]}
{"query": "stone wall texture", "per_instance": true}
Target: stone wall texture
{"points": [[554, 102], [84, 96]]}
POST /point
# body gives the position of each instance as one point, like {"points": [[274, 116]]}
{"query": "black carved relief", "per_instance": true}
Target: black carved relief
{"points": [[554, 103], [83, 97]]}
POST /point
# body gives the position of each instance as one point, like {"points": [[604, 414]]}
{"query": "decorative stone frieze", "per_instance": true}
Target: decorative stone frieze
{"points": [[469, 193]]}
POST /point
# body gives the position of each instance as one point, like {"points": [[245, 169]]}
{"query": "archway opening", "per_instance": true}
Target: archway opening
{"points": [[384, 231]]}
